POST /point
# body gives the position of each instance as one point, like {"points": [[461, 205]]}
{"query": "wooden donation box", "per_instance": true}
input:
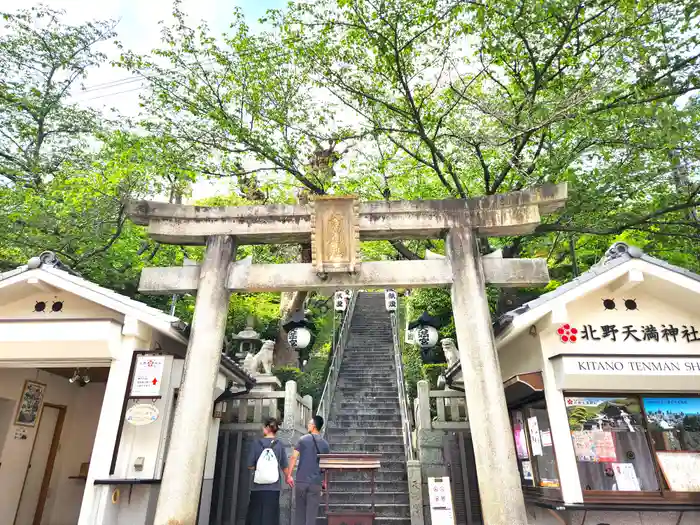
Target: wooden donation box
{"points": [[331, 463]]}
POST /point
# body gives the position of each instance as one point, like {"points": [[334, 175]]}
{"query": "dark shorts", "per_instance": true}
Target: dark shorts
{"points": [[264, 508]]}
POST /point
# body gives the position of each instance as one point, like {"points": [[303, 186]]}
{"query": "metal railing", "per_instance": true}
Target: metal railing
{"points": [[324, 406], [406, 413]]}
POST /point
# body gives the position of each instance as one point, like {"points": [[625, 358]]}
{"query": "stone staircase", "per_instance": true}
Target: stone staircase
{"points": [[365, 417]]}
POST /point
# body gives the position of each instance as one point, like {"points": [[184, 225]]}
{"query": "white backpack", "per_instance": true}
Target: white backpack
{"points": [[267, 468]]}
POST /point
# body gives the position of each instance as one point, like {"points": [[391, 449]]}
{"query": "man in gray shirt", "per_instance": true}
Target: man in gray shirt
{"points": [[309, 478]]}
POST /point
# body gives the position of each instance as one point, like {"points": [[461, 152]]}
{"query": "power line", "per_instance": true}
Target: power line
{"points": [[130, 80], [138, 88]]}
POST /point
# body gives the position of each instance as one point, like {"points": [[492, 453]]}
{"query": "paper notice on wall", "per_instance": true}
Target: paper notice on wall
{"points": [[546, 437], [594, 446], [535, 439], [527, 470], [626, 477], [148, 374]]}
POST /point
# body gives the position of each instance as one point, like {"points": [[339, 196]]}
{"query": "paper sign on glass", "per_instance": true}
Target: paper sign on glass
{"points": [[594, 446], [546, 436], [535, 440], [626, 477], [527, 470], [519, 435]]}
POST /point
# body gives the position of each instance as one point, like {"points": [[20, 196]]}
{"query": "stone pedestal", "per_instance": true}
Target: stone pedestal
{"points": [[266, 383]]}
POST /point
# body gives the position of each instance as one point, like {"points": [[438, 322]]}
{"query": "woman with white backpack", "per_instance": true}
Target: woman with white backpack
{"points": [[266, 459]]}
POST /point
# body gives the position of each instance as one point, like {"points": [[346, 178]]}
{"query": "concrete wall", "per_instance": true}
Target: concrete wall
{"points": [[520, 356], [83, 407], [540, 516], [19, 303]]}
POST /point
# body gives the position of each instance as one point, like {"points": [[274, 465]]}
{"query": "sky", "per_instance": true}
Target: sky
{"points": [[138, 30]]}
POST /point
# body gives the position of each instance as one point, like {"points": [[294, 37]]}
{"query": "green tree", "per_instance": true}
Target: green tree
{"points": [[44, 62]]}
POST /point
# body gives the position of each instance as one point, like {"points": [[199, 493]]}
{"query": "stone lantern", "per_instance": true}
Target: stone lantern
{"points": [[248, 339]]}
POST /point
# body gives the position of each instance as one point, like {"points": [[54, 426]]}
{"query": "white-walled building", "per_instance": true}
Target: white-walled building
{"points": [[602, 378], [73, 358]]}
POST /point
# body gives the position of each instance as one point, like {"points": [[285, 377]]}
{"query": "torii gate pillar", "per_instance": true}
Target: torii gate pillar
{"points": [[499, 481], [182, 477]]}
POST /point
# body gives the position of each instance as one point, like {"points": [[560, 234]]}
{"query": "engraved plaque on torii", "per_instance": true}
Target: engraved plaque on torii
{"points": [[335, 234]]}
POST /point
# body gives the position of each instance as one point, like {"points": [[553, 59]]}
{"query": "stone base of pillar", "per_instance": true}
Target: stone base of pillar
{"points": [[415, 492], [267, 383]]}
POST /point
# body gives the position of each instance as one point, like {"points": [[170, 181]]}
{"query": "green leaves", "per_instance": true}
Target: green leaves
{"points": [[43, 61]]}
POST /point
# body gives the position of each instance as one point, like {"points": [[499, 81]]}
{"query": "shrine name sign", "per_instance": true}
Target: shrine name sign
{"points": [[668, 333], [682, 366]]}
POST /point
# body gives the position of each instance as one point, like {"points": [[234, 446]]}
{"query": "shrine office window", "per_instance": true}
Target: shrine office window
{"points": [[636, 444], [533, 445]]}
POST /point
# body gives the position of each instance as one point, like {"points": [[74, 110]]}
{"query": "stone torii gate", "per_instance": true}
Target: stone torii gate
{"points": [[335, 226]]}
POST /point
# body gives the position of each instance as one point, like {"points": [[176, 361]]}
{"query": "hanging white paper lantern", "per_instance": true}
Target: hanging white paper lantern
{"points": [[390, 300], [340, 301], [425, 336], [299, 337]]}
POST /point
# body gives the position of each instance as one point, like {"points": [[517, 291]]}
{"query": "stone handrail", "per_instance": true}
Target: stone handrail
{"points": [[440, 409], [404, 404], [324, 406], [247, 412]]}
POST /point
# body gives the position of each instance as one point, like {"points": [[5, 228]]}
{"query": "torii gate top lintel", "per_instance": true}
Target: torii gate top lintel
{"points": [[495, 215]]}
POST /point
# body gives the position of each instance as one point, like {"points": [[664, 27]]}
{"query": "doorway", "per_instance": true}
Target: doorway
{"points": [[36, 483]]}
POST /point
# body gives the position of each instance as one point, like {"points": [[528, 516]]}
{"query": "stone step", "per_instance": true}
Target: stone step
{"points": [[363, 392], [377, 432], [397, 476], [351, 364], [386, 382], [356, 361], [394, 458], [377, 521], [366, 439], [368, 375], [390, 411], [381, 510], [368, 398], [369, 348], [361, 486], [373, 405], [363, 497], [349, 420], [370, 389], [369, 448], [361, 425]]}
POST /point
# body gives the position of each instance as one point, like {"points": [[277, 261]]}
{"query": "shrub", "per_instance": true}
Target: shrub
{"points": [[433, 372], [287, 373], [412, 369]]}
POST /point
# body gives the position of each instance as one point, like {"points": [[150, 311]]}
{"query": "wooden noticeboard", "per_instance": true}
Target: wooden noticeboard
{"points": [[681, 470]]}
